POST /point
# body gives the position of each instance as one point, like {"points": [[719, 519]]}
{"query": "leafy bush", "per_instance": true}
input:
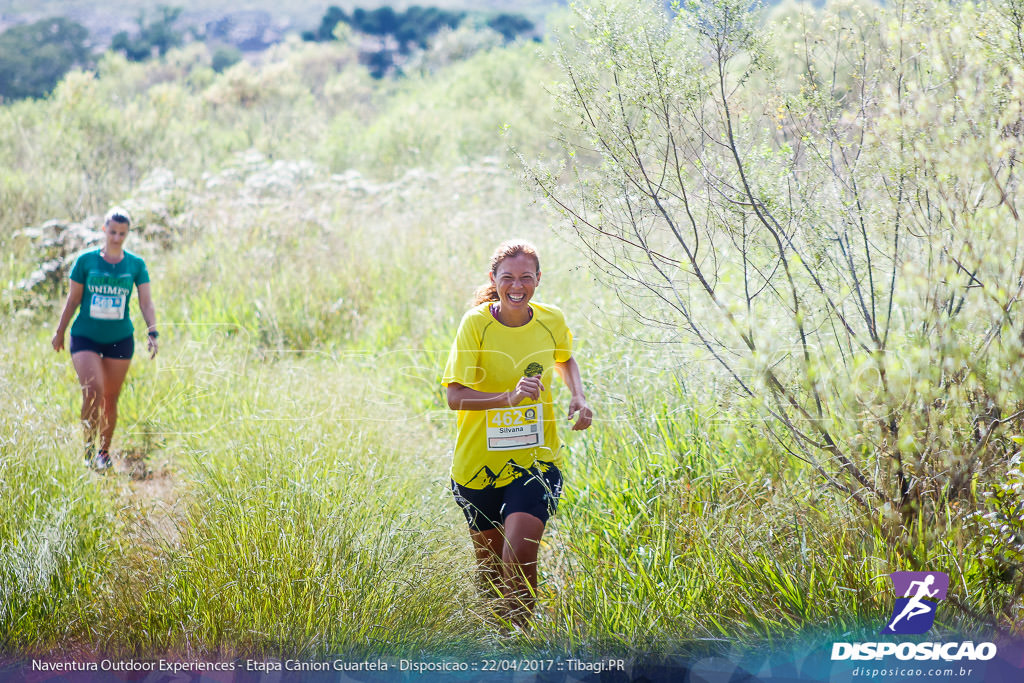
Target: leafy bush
{"points": [[224, 57], [415, 28], [510, 25], [828, 216], [153, 38], [35, 56], [998, 539]]}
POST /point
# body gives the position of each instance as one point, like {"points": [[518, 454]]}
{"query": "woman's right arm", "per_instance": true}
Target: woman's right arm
{"points": [[70, 306], [461, 397]]}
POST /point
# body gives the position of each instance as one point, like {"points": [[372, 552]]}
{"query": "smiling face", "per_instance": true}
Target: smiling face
{"points": [[515, 279]]}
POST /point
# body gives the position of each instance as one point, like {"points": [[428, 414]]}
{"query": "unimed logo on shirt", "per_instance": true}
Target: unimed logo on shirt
{"points": [[101, 283]]}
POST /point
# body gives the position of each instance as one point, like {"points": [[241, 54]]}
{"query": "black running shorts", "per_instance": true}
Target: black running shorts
{"points": [[535, 491], [123, 348]]}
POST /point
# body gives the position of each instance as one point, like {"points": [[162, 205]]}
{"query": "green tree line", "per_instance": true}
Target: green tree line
{"points": [[413, 27], [34, 57]]}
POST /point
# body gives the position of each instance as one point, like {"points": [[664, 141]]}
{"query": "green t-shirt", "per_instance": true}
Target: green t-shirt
{"points": [[104, 316], [488, 356]]}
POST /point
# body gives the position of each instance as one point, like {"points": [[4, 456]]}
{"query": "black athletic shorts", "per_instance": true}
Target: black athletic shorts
{"points": [[123, 348], [535, 491]]}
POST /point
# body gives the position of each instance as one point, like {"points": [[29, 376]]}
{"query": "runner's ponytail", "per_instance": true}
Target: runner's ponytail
{"points": [[507, 249], [486, 292]]}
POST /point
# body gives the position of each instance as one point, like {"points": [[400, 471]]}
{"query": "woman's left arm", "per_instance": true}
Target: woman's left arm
{"points": [[569, 371], [148, 309]]}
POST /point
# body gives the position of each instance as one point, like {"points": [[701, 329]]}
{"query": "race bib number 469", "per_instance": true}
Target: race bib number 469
{"points": [[516, 427]]}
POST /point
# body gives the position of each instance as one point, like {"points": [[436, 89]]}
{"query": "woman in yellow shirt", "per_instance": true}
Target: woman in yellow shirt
{"points": [[506, 473]]}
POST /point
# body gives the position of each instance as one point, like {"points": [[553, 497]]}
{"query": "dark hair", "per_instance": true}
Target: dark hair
{"points": [[507, 249], [118, 215]]}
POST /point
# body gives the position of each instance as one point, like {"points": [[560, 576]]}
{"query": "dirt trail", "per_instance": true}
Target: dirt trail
{"points": [[154, 504]]}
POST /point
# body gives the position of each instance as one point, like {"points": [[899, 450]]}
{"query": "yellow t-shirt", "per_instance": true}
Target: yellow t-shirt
{"points": [[488, 356]]}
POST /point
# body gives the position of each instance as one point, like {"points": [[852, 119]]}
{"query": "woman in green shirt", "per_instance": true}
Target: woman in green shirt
{"points": [[102, 341]]}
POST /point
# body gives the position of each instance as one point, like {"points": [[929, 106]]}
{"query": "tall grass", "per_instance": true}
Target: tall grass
{"points": [[292, 495], [55, 526], [305, 533]]}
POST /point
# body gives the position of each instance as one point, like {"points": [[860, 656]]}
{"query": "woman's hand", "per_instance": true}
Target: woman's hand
{"points": [[578, 406], [148, 309], [528, 387], [75, 290], [570, 372]]}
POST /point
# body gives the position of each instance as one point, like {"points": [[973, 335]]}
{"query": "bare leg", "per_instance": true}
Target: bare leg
{"points": [[114, 372], [487, 545], [89, 367], [523, 532]]}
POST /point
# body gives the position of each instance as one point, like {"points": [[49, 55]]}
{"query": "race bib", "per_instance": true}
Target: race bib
{"points": [[107, 307], [516, 427]]}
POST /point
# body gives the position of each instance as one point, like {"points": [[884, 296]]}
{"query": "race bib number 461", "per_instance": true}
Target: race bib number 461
{"points": [[516, 427]]}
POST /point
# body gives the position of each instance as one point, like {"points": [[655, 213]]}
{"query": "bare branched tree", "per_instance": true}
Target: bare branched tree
{"points": [[825, 205]]}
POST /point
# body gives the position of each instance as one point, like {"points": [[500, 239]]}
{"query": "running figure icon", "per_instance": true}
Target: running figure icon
{"points": [[916, 605], [918, 594]]}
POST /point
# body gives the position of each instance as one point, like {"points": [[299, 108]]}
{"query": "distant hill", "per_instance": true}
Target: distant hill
{"points": [[270, 18]]}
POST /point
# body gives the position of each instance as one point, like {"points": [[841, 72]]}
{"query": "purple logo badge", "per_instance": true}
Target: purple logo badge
{"points": [[917, 596]]}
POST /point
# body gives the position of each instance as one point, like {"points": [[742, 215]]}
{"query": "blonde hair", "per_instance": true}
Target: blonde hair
{"points": [[507, 249]]}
